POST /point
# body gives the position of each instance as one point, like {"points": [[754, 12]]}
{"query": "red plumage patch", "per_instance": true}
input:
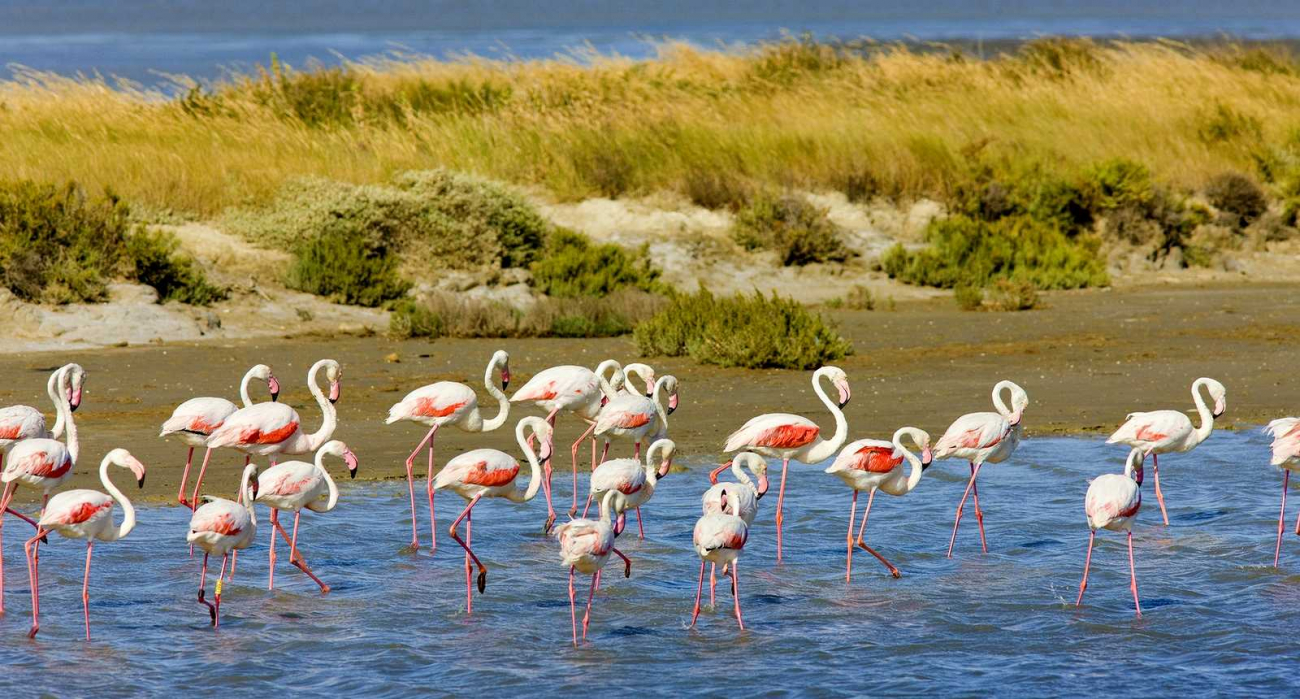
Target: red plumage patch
{"points": [[83, 512], [480, 474], [428, 407], [202, 426], [631, 420], [546, 392], [1146, 434], [10, 432], [45, 468], [254, 435], [787, 436], [876, 460]]}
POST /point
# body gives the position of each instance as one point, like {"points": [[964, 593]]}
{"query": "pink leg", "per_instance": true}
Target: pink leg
{"points": [[604, 454], [270, 556], [586, 617], [848, 559], [1132, 571], [590, 428], [1087, 563], [433, 519], [573, 607], [198, 482], [85, 588], [713, 584], [627, 563], [203, 582], [32, 549], [1160, 498], [780, 505], [735, 592], [699, 590], [962, 506], [216, 615], [185, 475], [640, 527], [636, 453], [979, 514], [588, 505], [469, 541], [296, 558], [469, 555], [4, 505], [1281, 516], [410, 483], [862, 542]]}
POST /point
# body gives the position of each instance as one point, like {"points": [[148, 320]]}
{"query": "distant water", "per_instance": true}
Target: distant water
{"points": [[142, 39], [1217, 618]]}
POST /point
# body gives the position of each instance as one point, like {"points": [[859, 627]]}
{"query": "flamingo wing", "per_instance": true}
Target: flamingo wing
{"points": [[1152, 430], [564, 385], [973, 431], [21, 422], [287, 479], [482, 467], [581, 537], [263, 423], [75, 507], [624, 475], [1111, 497], [437, 400], [219, 516], [201, 416], [773, 431], [627, 411], [720, 531], [1286, 439], [39, 458], [871, 455]]}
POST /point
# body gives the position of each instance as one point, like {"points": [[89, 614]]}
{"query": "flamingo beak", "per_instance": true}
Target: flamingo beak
{"points": [[273, 385], [1015, 418], [672, 403], [927, 458], [762, 486], [1220, 405], [334, 392], [505, 379], [351, 460], [254, 485], [74, 400], [665, 468], [604, 400], [845, 394]]}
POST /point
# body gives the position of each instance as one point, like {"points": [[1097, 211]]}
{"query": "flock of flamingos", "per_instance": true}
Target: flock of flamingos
{"points": [[609, 400]]}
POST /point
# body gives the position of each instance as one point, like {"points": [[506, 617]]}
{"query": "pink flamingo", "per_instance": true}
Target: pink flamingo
{"points": [[83, 514], [982, 438], [786, 437], [585, 546], [488, 473], [577, 390], [1164, 431], [1112, 503], [636, 417], [1286, 456], [197, 418], [293, 485], [19, 422], [719, 539], [634, 482], [40, 463], [221, 527], [743, 492], [447, 403], [868, 465]]}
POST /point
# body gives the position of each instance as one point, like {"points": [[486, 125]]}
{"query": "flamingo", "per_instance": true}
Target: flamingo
{"points": [[719, 538], [293, 485], [41, 463], [634, 482], [84, 514], [1286, 456], [488, 473], [577, 390], [197, 418], [220, 527], [1164, 431], [786, 437], [868, 465], [633, 416], [448, 403], [644, 372], [983, 438], [19, 422], [1112, 503], [585, 546], [744, 492]]}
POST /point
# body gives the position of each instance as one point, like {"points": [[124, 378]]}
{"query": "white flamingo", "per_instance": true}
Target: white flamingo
{"points": [[633, 481], [585, 546], [1112, 503], [221, 527], [719, 538], [1286, 456]]}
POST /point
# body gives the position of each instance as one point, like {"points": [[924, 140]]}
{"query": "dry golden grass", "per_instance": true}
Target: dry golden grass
{"points": [[893, 123]]}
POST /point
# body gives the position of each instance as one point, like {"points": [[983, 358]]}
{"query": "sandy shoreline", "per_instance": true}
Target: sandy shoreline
{"points": [[1086, 360]]}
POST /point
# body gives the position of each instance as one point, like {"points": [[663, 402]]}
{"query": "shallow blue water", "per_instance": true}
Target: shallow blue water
{"points": [[1217, 617], [143, 39]]}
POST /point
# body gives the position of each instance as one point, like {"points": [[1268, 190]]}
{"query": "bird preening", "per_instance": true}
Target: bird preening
{"points": [[620, 407]]}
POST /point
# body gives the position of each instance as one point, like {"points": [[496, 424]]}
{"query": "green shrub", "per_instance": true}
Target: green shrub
{"points": [[1118, 183], [450, 315], [741, 331], [1008, 295], [482, 207], [799, 232], [859, 298], [60, 245], [348, 263], [968, 297], [574, 266], [1237, 194], [155, 261], [966, 251]]}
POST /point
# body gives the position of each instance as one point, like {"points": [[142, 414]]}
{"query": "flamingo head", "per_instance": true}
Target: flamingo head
{"points": [[647, 374], [503, 360], [1136, 458], [351, 460], [76, 376], [757, 465], [669, 448], [1220, 396], [841, 382], [123, 458], [333, 373], [542, 431], [670, 386], [262, 371]]}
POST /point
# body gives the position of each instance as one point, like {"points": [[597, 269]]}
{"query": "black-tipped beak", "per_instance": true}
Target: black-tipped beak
{"points": [[72, 407], [140, 482], [275, 397], [505, 384], [926, 464], [1217, 415], [352, 473], [649, 394]]}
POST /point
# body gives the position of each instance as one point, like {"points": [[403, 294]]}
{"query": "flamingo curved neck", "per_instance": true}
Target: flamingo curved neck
{"points": [[606, 509], [243, 387], [128, 511], [329, 482], [1133, 467], [535, 468], [601, 369], [826, 448], [70, 425], [503, 403], [742, 477], [53, 387], [998, 403], [658, 400], [330, 422], [242, 498], [913, 461], [1207, 417]]}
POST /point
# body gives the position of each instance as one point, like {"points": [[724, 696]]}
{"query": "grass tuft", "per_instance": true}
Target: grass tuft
{"points": [[797, 231]]}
